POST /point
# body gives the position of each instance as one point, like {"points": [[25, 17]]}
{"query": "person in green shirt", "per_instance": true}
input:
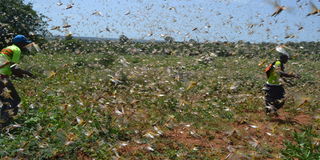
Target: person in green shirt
{"points": [[274, 91], [9, 57]]}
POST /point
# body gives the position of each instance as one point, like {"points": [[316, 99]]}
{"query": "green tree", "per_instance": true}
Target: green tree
{"points": [[192, 41], [123, 39], [17, 17], [168, 39]]}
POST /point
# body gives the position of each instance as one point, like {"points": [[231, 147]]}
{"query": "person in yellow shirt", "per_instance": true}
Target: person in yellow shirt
{"points": [[9, 57], [274, 91]]}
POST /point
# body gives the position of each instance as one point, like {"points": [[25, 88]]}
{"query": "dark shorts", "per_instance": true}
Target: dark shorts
{"points": [[274, 96], [274, 91]]}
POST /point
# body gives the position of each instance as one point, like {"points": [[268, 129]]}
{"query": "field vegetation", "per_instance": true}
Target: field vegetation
{"points": [[177, 100]]}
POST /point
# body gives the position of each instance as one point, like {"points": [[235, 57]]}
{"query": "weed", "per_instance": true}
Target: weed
{"points": [[305, 146]]}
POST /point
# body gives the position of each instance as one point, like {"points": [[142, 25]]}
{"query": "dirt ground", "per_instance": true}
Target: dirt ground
{"points": [[243, 139]]}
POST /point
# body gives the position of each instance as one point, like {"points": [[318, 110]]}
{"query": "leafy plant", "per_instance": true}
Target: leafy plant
{"points": [[304, 147]]}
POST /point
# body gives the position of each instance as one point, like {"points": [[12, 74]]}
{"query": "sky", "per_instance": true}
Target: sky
{"points": [[202, 20]]}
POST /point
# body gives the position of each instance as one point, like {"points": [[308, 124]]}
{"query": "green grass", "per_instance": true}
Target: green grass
{"points": [[68, 111], [305, 146]]}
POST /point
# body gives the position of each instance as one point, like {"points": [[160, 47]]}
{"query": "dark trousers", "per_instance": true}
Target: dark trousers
{"points": [[274, 97], [10, 100]]}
